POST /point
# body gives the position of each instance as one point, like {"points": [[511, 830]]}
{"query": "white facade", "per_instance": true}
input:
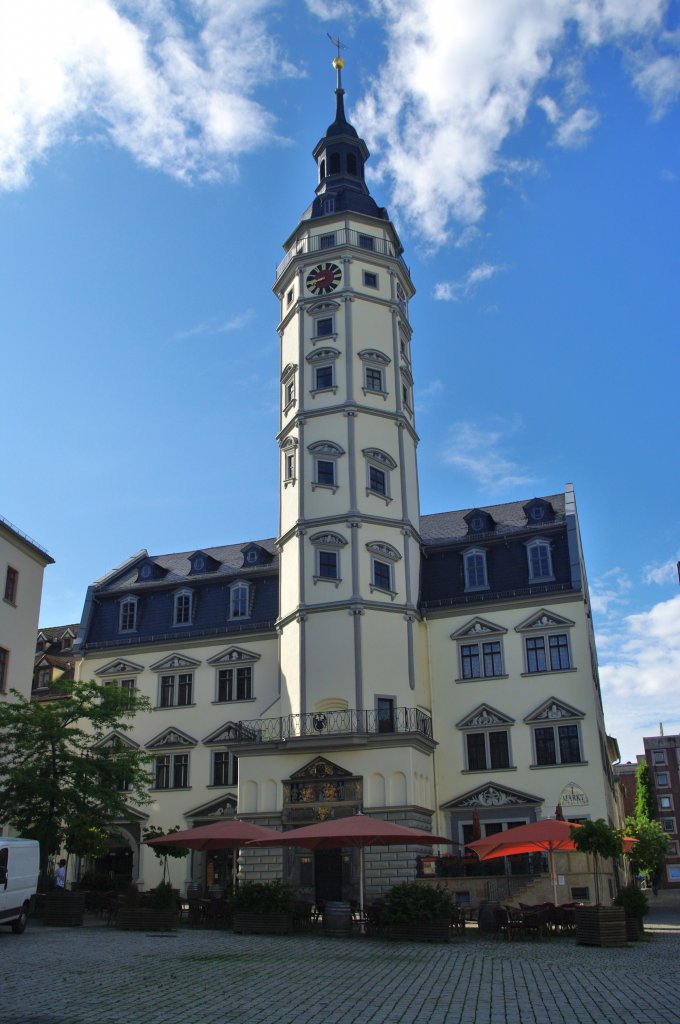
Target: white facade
{"points": [[418, 668]]}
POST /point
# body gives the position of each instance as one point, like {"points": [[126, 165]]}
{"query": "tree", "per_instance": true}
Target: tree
{"points": [[645, 804], [647, 856], [66, 773], [163, 852], [598, 838]]}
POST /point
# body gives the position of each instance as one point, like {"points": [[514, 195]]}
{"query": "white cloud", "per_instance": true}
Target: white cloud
{"points": [[659, 83], [639, 672], [461, 77], [333, 10], [177, 97], [452, 291], [217, 326], [610, 591], [666, 572], [573, 130], [480, 452]]}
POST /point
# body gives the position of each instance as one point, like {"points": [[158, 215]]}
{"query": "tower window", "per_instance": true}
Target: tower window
{"points": [[325, 473], [11, 585], [334, 163], [351, 163], [289, 296], [328, 206], [382, 575], [327, 241], [322, 169], [370, 279], [366, 242], [328, 565], [323, 377], [377, 480], [323, 326], [373, 379], [378, 466]]}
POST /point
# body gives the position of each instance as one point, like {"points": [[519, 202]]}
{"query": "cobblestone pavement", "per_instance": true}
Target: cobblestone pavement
{"points": [[96, 975]]}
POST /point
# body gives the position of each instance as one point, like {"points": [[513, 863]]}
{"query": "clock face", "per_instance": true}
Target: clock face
{"points": [[324, 278]]}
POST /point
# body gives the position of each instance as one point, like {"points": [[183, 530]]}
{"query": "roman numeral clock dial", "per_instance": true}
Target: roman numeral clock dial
{"points": [[324, 278]]}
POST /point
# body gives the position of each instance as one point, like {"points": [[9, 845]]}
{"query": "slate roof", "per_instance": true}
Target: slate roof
{"points": [[510, 517], [178, 566]]}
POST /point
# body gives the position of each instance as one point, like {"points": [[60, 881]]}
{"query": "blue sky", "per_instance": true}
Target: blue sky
{"points": [[155, 155]]}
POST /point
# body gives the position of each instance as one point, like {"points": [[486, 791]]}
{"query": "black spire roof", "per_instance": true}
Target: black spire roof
{"points": [[340, 157]]}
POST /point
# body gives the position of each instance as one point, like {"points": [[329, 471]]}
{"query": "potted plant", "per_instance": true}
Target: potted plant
{"points": [[263, 908], [598, 925], [420, 912], [160, 916], [635, 906]]}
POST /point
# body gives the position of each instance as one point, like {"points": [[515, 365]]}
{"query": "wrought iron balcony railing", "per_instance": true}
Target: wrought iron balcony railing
{"points": [[332, 723]]}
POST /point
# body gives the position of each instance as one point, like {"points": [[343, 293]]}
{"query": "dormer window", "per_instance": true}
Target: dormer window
{"points": [[239, 601], [474, 565], [540, 561], [127, 622], [479, 521], [183, 608], [538, 510]]}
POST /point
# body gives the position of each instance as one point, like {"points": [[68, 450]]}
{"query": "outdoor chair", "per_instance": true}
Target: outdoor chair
{"points": [[509, 923]]}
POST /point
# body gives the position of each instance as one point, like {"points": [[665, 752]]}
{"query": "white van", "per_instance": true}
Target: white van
{"points": [[19, 866]]}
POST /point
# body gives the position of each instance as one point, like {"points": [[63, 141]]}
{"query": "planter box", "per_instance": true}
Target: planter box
{"points": [[635, 929], [145, 919], [248, 923], [432, 931], [600, 926], [64, 909]]}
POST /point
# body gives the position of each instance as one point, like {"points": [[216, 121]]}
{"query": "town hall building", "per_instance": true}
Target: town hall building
{"points": [[437, 671]]}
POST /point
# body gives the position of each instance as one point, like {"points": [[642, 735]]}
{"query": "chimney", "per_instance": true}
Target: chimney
{"points": [[660, 728]]}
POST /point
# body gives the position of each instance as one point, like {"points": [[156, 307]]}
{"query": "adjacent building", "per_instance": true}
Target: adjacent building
{"points": [[663, 757], [437, 670], [22, 564]]}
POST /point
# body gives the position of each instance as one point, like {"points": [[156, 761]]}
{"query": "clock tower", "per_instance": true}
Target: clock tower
{"points": [[349, 515]]}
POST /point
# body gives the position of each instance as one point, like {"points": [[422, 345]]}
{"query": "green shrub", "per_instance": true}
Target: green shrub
{"points": [[163, 897], [411, 903], [633, 901], [264, 898]]}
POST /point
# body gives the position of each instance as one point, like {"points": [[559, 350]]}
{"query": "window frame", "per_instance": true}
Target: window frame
{"points": [[11, 585], [133, 601], [175, 684], [480, 644], [181, 596], [540, 544], [4, 668], [370, 279], [478, 554], [325, 368], [486, 732], [327, 240], [240, 585], [658, 780], [531, 653], [322, 319], [176, 765], [229, 768], [231, 685], [378, 563], [377, 460], [554, 728]]}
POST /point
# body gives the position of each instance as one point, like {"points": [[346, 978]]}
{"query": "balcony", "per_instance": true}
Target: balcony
{"points": [[333, 723], [340, 237]]}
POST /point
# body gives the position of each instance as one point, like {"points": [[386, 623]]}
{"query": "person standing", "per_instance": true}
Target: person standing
{"points": [[60, 875]]}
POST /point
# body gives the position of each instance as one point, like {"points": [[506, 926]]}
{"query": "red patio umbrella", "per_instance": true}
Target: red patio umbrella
{"points": [[545, 836], [354, 830], [230, 834]]}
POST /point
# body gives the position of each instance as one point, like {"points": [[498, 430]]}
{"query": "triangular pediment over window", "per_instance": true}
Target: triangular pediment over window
{"points": [[477, 627], [543, 620], [490, 795], [552, 710], [214, 810], [115, 739], [173, 662], [132, 814], [321, 768], [483, 717], [233, 655], [171, 738], [119, 667], [226, 734]]}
